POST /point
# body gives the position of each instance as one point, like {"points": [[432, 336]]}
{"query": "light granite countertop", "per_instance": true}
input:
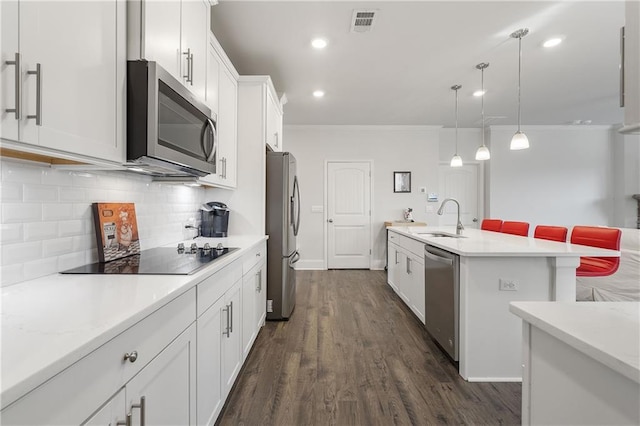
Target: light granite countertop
{"points": [[475, 242], [608, 332], [51, 322]]}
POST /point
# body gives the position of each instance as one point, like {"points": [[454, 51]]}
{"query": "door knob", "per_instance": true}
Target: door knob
{"points": [[330, 220]]}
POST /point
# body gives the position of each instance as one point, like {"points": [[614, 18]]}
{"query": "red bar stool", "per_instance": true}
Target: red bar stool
{"points": [[491, 225], [553, 233], [515, 228], [596, 236]]}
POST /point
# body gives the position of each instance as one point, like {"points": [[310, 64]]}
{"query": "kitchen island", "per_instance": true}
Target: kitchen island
{"points": [[581, 362], [496, 269]]}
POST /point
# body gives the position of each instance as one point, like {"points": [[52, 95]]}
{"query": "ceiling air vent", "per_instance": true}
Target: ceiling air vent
{"points": [[362, 20]]}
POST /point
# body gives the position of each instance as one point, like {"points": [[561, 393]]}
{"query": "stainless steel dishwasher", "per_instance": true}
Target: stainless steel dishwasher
{"points": [[442, 295]]}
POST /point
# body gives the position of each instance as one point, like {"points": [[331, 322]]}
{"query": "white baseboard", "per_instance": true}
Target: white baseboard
{"points": [[310, 265], [494, 379]]}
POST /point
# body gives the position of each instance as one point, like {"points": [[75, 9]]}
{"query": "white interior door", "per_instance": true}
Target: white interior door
{"points": [[460, 183], [348, 215]]}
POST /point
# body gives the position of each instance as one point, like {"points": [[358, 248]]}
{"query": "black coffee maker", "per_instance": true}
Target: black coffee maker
{"points": [[215, 219]]}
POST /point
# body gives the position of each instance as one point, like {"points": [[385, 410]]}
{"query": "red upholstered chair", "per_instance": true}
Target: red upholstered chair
{"points": [[491, 225], [596, 236], [553, 233], [515, 228]]}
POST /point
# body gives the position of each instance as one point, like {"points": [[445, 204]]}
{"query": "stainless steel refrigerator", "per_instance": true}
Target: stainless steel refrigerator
{"points": [[283, 222]]}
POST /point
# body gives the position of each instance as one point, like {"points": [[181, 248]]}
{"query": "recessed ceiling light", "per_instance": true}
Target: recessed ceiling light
{"points": [[552, 42], [478, 93], [318, 93], [319, 43]]}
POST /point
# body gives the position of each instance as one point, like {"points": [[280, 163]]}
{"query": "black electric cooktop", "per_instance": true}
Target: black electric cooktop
{"points": [[157, 261]]}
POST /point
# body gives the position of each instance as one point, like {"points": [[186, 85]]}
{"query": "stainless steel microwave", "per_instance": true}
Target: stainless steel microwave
{"points": [[170, 132]]}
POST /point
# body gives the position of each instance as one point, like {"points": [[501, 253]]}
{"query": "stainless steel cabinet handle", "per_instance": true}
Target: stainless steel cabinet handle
{"points": [[408, 265], [191, 69], [38, 115], [142, 407], [131, 357], [18, 86], [440, 259], [397, 261], [226, 329], [259, 275], [231, 316], [188, 76], [622, 67], [276, 136]]}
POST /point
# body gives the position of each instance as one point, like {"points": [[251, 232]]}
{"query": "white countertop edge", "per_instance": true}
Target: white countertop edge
{"points": [[625, 367], [12, 391], [475, 243]]}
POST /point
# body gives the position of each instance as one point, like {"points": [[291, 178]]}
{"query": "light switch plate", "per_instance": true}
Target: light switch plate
{"points": [[432, 197]]}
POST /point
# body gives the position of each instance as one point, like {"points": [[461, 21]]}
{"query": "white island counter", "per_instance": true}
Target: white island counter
{"points": [[581, 362], [490, 338]]}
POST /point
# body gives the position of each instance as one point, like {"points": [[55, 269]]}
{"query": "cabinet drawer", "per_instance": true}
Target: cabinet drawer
{"points": [[213, 287], [78, 391], [253, 257], [414, 246]]}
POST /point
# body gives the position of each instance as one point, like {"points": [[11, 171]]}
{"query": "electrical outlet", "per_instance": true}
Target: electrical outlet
{"points": [[508, 285]]}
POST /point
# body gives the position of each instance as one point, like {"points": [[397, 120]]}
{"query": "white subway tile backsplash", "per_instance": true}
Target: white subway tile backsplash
{"points": [[47, 222], [20, 172], [21, 252], [71, 260], [57, 177], [84, 242], [21, 213], [10, 191], [57, 246], [11, 274], [39, 193], [72, 195], [40, 268], [67, 228], [11, 233], [37, 231], [58, 211]]}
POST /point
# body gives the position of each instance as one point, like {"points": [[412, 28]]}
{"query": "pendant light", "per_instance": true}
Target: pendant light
{"points": [[483, 152], [456, 160], [519, 140]]}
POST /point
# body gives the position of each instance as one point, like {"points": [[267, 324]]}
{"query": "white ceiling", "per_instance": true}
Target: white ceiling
{"points": [[400, 73]]}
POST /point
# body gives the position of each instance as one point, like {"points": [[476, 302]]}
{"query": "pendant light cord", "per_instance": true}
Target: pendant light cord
{"points": [[519, 77], [456, 121], [482, 101]]}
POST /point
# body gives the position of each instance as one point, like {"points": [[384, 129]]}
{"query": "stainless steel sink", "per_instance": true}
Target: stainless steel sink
{"points": [[441, 235]]}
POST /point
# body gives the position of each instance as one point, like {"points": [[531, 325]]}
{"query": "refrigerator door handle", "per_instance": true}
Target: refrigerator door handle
{"points": [[294, 258], [295, 210]]}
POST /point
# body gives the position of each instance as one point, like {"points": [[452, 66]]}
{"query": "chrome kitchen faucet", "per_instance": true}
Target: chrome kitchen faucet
{"points": [[459, 226]]}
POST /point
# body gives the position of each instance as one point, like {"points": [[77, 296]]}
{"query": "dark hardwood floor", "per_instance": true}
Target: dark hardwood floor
{"points": [[354, 354]]}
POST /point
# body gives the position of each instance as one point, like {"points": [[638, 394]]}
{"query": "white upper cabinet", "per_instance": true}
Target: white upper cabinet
{"points": [[174, 34], [631, 68], [222, 98], [274, 121], [65, 76]]}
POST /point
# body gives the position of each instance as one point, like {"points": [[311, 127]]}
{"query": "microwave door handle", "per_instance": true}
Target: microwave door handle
{"points": [[209, 155]]}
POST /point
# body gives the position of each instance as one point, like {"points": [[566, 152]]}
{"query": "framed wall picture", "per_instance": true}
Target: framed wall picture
{"points": [[401, 181]]}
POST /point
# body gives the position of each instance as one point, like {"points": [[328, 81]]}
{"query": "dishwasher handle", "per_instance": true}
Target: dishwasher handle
{"points": [[436, 258]]}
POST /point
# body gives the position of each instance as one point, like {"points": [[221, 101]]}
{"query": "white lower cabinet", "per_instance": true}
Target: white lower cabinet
{"points": [[176, 366], [225, 312], [111, 413], [254, 301], [154, 358], [405, 272]]}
